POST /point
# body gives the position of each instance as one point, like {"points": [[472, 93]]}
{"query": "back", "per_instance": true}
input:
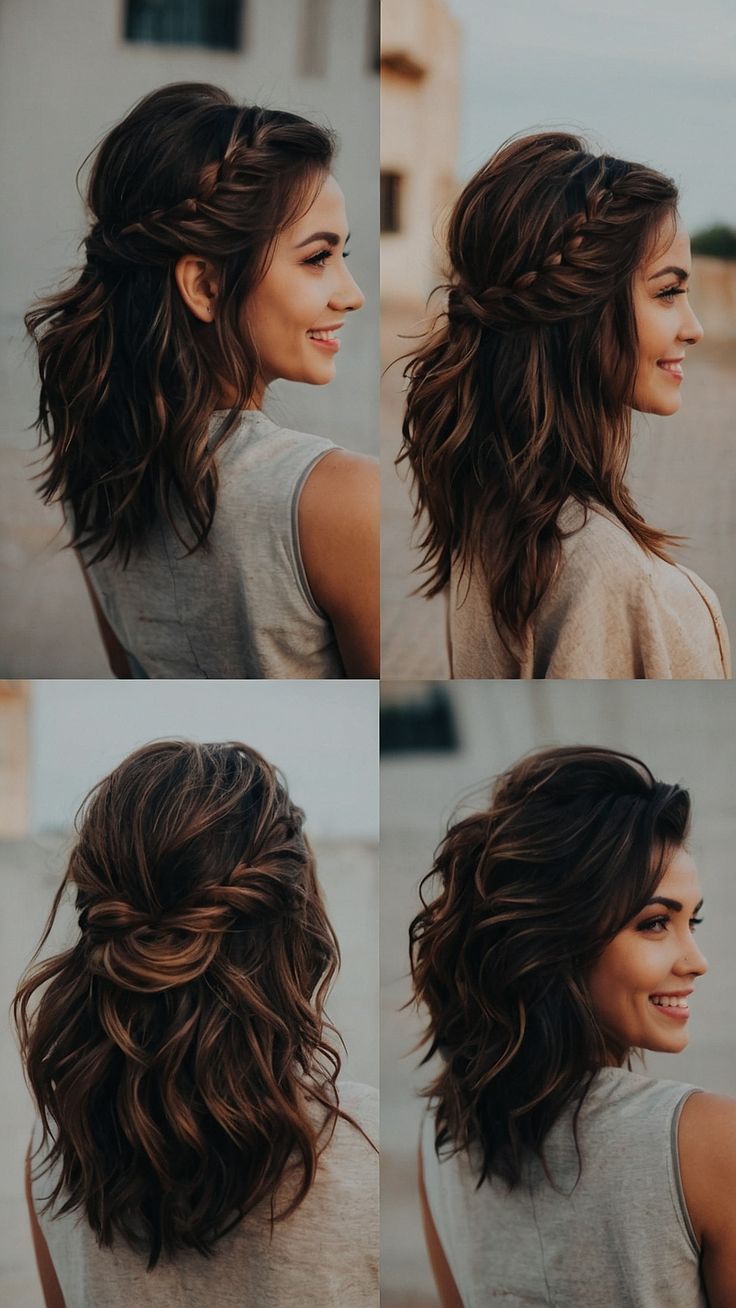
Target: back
{"points": [[324, 1256], [620, 1236], [241, 605]]}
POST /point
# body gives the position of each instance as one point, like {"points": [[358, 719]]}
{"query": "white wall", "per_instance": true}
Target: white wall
{"points": [[323, 735]]}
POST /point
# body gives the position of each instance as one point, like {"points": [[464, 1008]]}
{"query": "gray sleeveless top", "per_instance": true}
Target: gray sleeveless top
{"points": [[241, 607], [621, 1236], [325, 1255]]}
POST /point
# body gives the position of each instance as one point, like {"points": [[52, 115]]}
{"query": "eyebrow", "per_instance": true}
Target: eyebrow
{"points": [[331, 238], [673, 904], [665, 272]]}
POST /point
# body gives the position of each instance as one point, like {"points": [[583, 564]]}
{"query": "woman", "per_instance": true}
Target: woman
{"points": [[193, 1141], [560, 941], [567, 307], [215, 543]]}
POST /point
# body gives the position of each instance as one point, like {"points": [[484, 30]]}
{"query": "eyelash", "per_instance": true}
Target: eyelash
{"points": [[319, 260], [670, 292], [664, 920]]}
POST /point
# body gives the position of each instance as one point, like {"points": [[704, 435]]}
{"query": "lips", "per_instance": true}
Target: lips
{"points": [[673, 367], [672, 1004], [324, 337]]}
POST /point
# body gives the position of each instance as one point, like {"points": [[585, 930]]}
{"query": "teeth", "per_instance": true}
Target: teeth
{"points": [[669, 1001], [322, 336], [676, 368]]}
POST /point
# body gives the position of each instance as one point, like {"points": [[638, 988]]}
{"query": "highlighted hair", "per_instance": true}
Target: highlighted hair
{"points": [[176, 1043], [530, 891], [129, 377], [519, 398]]}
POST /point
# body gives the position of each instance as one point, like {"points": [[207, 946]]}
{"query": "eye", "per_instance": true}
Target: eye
{"points": [[319, 259], [657, 925], [669, 293], [695, 921]]}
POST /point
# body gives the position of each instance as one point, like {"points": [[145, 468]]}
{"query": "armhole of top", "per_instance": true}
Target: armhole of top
{"points": [[300, 570], [678, 1193]]}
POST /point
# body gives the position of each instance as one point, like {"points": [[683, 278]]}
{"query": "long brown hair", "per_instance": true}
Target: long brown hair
{"points": [[531, 889], [519, 399], [129, 378], [176, 1043]]}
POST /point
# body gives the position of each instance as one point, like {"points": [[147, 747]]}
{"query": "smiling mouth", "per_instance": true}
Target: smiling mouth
{"points": [[673, 368], [673, 1006], [325, 338]]}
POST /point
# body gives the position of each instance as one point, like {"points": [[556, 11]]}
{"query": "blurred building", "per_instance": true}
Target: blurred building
{"points": [[420, 85], [14, 707]]}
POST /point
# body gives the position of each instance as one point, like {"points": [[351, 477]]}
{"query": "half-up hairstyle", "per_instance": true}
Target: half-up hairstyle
{"points": [[519, 398], [129, 377], [530, 892], [177, 1042]]}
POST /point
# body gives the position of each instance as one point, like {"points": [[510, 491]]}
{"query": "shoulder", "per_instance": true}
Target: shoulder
{"points": [[338, 519], [595, 544], [707, 1153], [341, 485]]}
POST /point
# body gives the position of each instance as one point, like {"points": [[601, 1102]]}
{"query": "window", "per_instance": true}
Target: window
{"points": [[420, 724], [391, 202], [212, 23], [374, 35]]}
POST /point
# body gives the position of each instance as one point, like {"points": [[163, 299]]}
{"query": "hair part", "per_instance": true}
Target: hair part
{"points": [[176, 1044], [519, 398], [531, 890], [129, 377]]}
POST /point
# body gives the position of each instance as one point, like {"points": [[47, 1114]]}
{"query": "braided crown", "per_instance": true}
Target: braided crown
{"points": [[558, 288], [155, 237]]}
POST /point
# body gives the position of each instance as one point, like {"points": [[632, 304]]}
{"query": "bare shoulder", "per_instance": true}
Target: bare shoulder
{"points": [[339, 540], [341, 484], [339, 527], [707, 1151]]}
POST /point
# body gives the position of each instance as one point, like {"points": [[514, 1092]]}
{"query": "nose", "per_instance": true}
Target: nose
{"points": [[347, 295], [691, 330], [693, 961]]}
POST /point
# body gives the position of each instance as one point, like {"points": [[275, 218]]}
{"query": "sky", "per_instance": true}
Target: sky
{"points": [[323, 735], [653, 82]]}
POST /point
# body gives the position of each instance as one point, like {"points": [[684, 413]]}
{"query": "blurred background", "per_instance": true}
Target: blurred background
{"points": [[68, 73], [57, 739], [651, 83], [441, 747]]}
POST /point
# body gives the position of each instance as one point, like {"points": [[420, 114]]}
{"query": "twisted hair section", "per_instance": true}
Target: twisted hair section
{"points": [[175, 1048], [520, 396], [522, 899], [129, 377]]}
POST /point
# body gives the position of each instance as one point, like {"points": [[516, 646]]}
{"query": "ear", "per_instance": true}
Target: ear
{"points": [[196, 281]]}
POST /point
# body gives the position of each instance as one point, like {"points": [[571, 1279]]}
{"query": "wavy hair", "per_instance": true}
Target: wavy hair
{"points": [[129, 377], [177, 1041], [519, 398], [531, 890]]}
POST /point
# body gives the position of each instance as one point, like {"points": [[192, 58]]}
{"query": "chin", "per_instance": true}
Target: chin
{"points": [[663, 406]]}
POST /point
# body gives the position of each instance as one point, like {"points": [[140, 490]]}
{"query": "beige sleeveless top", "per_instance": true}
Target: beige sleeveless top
{"points": [[618, 1237], [241, 607], [324, 1256], [613, 611]]}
